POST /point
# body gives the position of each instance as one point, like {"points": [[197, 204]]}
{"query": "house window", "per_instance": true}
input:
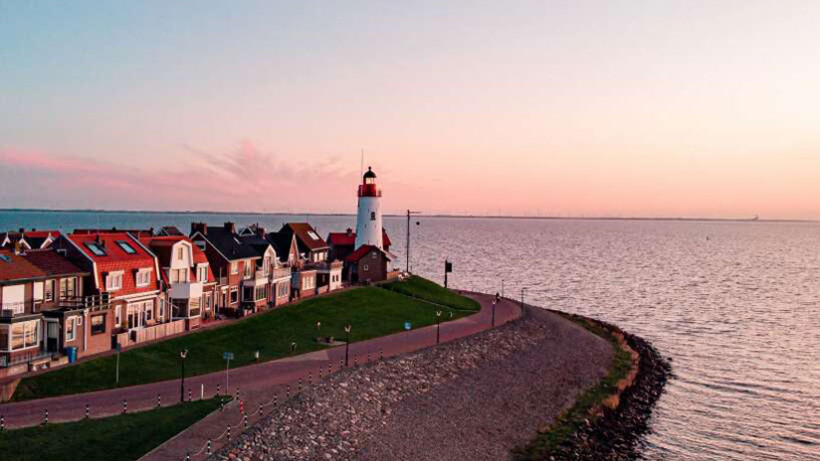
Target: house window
{"points": [[180, 253], [248, 269], [68, 287], [49, 290], [143, 277], [234, 295], [234, 268], [70, 330], [25, 334], [161, 308], [113, 281], [200, 244], [374, 255], [149, 310], [202, 273], [97, 324], [117, 316], [365, 268], [179, 275], [283, 289], [126, 247], [372, 215]]}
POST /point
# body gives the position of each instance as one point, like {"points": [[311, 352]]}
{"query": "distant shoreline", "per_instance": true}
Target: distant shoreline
{"points": [[455, 216]]}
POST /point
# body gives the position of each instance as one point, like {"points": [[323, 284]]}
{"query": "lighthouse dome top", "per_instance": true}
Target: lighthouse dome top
{"points": [[369, 174]]}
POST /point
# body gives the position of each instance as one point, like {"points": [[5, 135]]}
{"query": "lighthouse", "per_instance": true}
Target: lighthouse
{"points": [[369, 218]]}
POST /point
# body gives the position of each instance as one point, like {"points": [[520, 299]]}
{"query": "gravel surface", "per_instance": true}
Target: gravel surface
{"points": [[474, 398]]}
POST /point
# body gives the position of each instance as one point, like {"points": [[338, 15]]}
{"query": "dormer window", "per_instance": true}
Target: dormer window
{"points": [[126, 247], [143, 277], [113, 281]]}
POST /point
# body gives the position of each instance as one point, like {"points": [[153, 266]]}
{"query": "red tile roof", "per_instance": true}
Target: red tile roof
{"points": [[363, 251], [349, 239], [117, 259], [15, 267]]}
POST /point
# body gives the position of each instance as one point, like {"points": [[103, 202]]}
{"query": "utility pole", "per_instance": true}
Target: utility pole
{"points": [[409, 213]]}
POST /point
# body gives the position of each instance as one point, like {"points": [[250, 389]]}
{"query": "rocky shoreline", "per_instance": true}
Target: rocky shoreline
{"points": [[475, 398]]}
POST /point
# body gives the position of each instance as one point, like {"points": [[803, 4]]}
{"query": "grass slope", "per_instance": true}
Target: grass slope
{"points": [[424, 289], [123, 437], [372, 312]]}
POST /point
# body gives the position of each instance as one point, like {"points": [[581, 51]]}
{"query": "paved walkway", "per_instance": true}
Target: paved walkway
{"points": [[265, 384]]}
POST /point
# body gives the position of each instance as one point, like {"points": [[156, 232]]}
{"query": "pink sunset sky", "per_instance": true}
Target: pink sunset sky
{"points": [[564, 108]]}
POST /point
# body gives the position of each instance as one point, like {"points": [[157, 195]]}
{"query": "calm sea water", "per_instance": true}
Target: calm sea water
{"points": [[735, 305]]}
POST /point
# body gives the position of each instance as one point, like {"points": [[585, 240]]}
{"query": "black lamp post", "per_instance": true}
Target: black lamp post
{"points": [[522, 296], [347, 342], [182, 356], [493, 317], [438, 327]]}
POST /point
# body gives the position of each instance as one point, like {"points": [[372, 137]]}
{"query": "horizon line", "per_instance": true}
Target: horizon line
{"points": [[435, 215]]}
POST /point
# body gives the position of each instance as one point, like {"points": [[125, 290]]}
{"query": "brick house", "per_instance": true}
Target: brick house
{"points": [[188, 283], [234, 263], [369, 264], [124, 279], [342, 245]]}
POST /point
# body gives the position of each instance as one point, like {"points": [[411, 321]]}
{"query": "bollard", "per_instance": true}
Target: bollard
{"points": [[87, 412], [260, 410], [208, 449], [45, 418], [300, 385], [237, 392], [217, 390], [275, 400], [189, 395], [229, 432], [187, 455], [245, 421], [329, 367], [368, 356], [287, 391], [159, 400], [2, 423], [221, 405], [241, 407], [381, 354], [124, 406], [310, 377]]}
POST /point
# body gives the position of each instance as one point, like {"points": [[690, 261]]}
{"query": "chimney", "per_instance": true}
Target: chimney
{"points": [[260, 232], [230, 227], [349, 232], [199, 227], [22, 231]]}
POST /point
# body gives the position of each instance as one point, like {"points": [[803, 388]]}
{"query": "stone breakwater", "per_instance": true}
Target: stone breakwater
{"points": [[476, 398], [617, 433]]}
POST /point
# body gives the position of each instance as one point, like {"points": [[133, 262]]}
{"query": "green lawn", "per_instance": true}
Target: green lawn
{"points": [[421, 288], [371, 311], [124, 437]]}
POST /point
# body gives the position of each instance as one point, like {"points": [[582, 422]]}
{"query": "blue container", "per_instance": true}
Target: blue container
{"points": [[71, 352]]}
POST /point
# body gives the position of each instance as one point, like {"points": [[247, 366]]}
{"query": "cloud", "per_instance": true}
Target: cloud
{"points": [[243, 179]]}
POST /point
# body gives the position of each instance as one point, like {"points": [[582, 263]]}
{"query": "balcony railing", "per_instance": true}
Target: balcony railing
{"points": [[281, 272]]}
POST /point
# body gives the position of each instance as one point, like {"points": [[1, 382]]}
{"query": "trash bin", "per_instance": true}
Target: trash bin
{"points": [[71, 352]]}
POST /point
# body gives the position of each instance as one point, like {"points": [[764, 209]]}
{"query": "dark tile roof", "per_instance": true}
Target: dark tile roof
{"points": [[15, 267], [171, 231], [259, 244], [229, 244], [363, 251], [349, 239], [281, 244], [52, 263]]}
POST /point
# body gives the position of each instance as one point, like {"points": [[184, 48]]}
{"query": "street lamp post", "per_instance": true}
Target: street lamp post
{"points": [[438, 327], [492, 323], [523, 289], [182, 356], [347, 342], [409, 213]]}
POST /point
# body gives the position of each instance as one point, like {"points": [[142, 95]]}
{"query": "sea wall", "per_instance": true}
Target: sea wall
{"points": [[476, 398]]}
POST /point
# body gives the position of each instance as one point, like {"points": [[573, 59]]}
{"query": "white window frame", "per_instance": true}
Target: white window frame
{"points": [[71, 329], [234, 267], [143, 277], [112, 277], [366, 268], [49, 295]]}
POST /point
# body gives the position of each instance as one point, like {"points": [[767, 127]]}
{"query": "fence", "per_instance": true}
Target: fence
{"points": [[151, 333]]}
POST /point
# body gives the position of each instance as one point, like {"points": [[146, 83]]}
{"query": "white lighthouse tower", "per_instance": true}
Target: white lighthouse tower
{"points": [[369, 219]]}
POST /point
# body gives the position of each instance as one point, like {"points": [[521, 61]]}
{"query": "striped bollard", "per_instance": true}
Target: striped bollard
{"points": [[2, 423], [229, 432], [287, 391], [329, 367], [87, 411], [124, 406], [245, 420], [45, 417], [310, 377], [275, 400], [299, 389], [368, 356], [217, 389], [237, 392], [381, 354], [221, 405], [187, 455], [260, 410], [159, 400], [190, 398], [208, 448]]}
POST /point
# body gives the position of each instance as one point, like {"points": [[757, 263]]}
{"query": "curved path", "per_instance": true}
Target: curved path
{"points": [[255, 384]]}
